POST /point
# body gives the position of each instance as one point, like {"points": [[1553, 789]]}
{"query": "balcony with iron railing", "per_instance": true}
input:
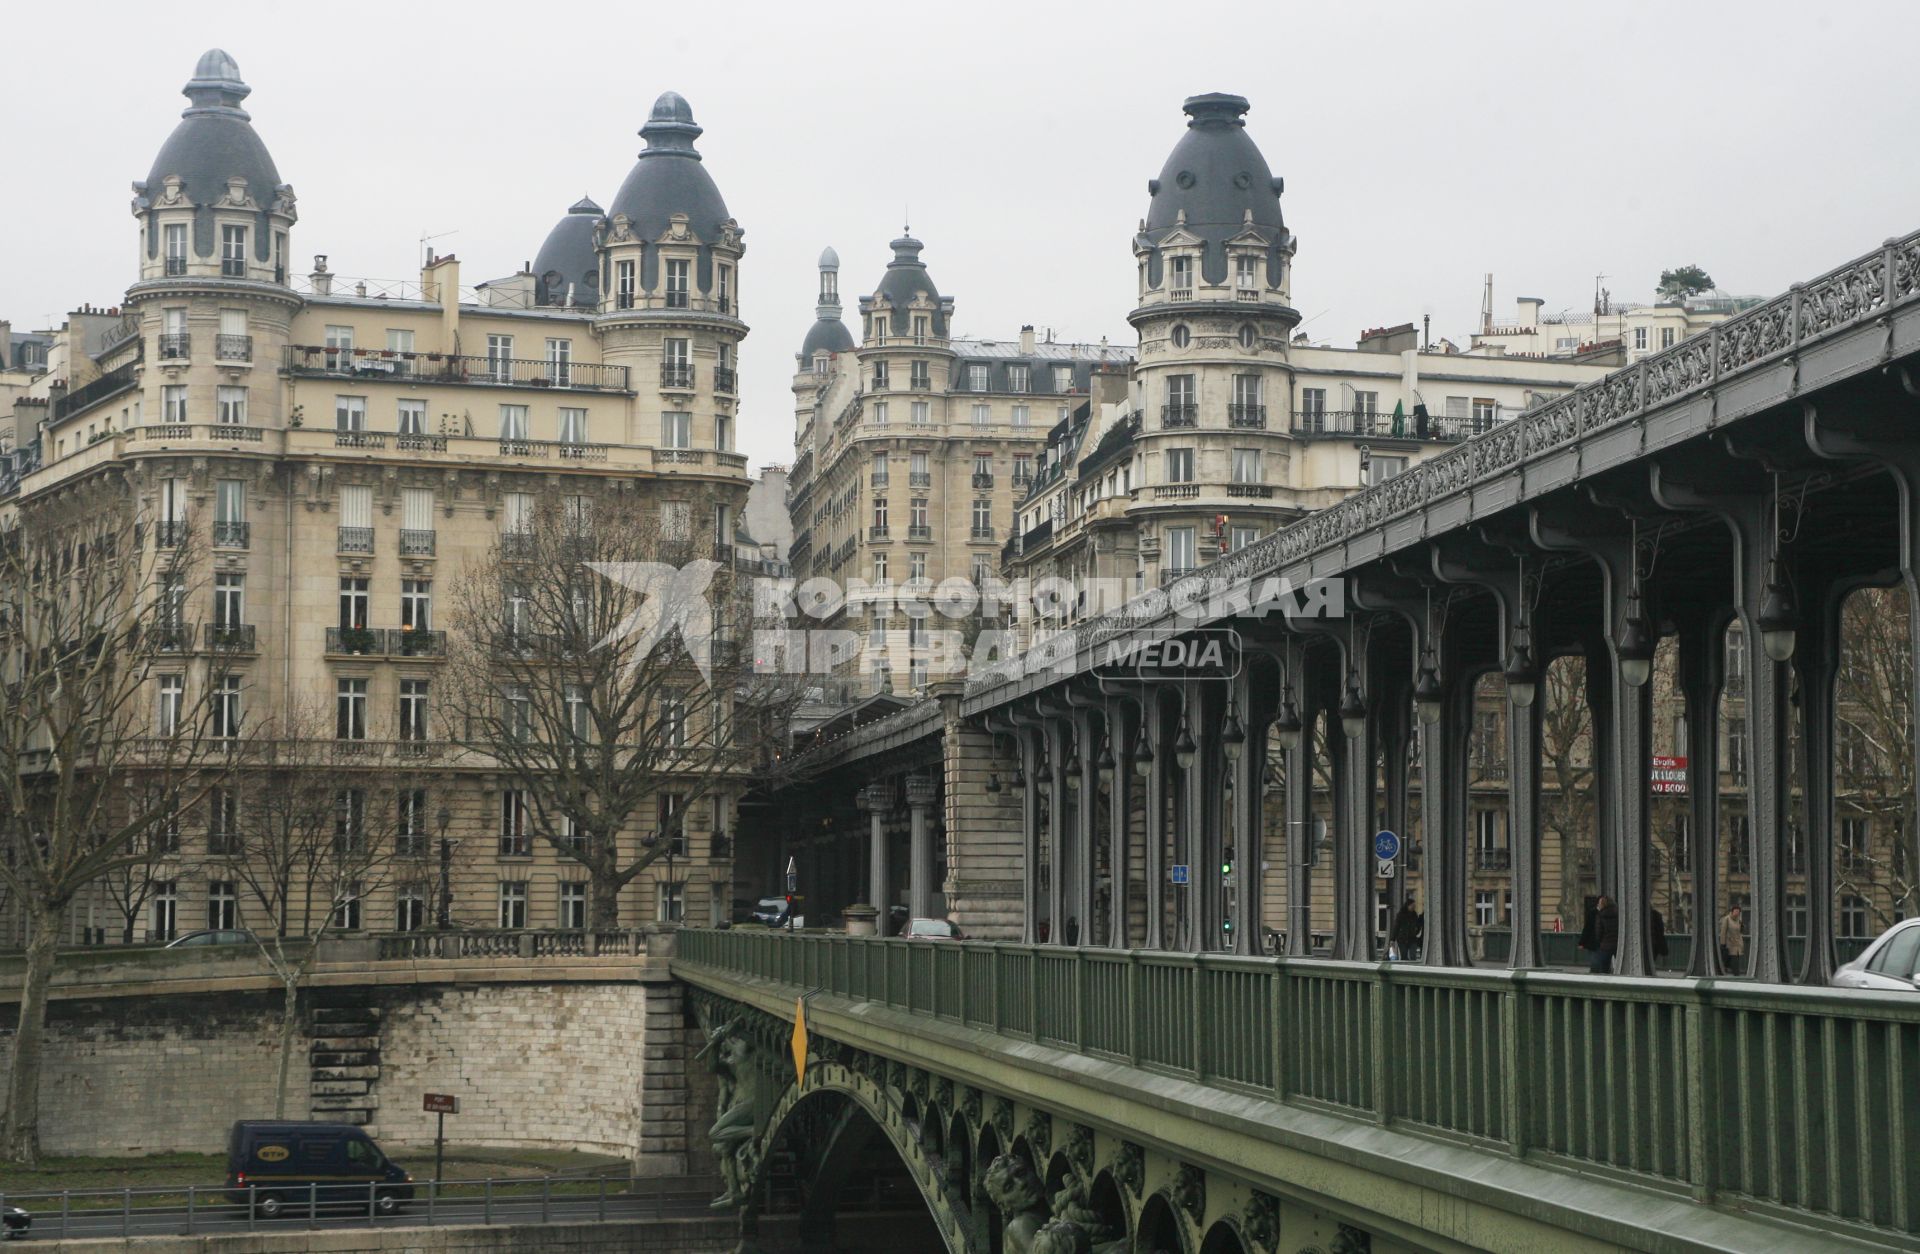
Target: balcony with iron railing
{"points": [[108, 385], [417, 642], [357, 641], [233, 267], [983, 479], [983, 533], [880, 479], [232, 535], [175, 346], [919, 531], [229, 637], [355, 540], [677, 375], [725, 379], [920, 384], [317, 361], [1485, 859], [170, 533], [1252, 416], [1179, 414], [415, 542], [920, 478], [1366, 422], [233, 347], [517, 545], [174, 267], [879, 531]]}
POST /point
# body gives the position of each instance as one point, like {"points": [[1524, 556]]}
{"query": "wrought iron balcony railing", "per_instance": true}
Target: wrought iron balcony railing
{"points": [[983, 533], [231, 535], [233, 267], [880, 479], [1179, 414], [415, 642], [175, 345], [878, 531], [517, 545], [233, 347], [983, 479], [356, 540], [416, 543], [1492, 859], [921, 385], [676, 374], [378, 364], [357, 641], [1247, 415], [229, 637], [919, 531], [920, 479], [725, 379]]}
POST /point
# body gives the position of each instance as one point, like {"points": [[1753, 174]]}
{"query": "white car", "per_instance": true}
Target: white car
{"points": [[1891, 963]]}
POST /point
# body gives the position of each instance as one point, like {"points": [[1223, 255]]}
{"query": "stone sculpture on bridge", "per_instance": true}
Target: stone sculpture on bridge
{"points": [[744, 1099], [1022, 1201]]}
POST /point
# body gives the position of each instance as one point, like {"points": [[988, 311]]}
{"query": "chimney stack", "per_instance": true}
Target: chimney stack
{"points": [[1026, 340]]}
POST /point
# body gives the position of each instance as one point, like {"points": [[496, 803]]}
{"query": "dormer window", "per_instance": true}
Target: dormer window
{"points": [[174, 235], [1180, 277], [1246, 273], [623, 285], [919, 328], [1063, 378], [978, 376], [233, 252], [1018, 378], [678, 288]]}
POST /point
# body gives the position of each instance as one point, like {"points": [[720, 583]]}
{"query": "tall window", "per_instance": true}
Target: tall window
{"points": [[400, 344], [678, 287], [500, 357], [672, 902], [917, 566], [1179, 465], [349, 413], [879, 567], [1019, 377], [573, 905], [1485, 414], [623, 285], [350, 709], [231, 405], [979, 376], [1022, 416], [920, 375], [223, 821], [676, 430], [917, 512], [513, 422], [409, 908], [671, 822], [173, 404], [1063, 378], [226, 707], [1313, 409], [1246, 465], [223, 905], [353, 602], [1245, 276], [413, 709], [517, 713], [416, 605], [515, 837], [163, 910], [174, 235], [981, 413], [233, 252], [411, 417], [982, 518], [560, 361], [339, 357], [921, 414], [349, 820], [723, 432], [573, 425], [1180, 277], [724, 300], [880, 376], [673, 720], [579, 713], [513, 904], [229, 599], [1737, 748], [1853, 917], [410, 824], [173, 695], [1182, 553]]}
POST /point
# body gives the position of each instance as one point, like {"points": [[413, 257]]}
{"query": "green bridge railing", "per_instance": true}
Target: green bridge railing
{"points": [[1799, 1102]]}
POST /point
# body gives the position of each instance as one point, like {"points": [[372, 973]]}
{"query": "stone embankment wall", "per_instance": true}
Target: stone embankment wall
{"points": [[545, 1056], [718, 1235]]}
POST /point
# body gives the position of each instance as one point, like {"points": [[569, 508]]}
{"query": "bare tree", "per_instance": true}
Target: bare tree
{"points": [[1566, 750], [107, 734], [320, 826], [597, 661], [1873, 716]]}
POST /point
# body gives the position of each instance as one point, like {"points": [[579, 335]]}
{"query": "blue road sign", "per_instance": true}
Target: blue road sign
{"points": [[1386, 846], [1179, 872]]}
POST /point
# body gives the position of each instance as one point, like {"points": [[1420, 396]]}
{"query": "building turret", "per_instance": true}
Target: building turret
{"points": [[566, 270], [214, 205], [828, 334], [1214, 317], [669, 256]]}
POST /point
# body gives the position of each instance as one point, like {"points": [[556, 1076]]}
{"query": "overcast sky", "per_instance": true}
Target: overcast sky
{"points": [[1422, 146]]}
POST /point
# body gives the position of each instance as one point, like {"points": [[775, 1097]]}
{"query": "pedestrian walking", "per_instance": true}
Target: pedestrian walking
{"points": [[1408, 929], [1606, 936], [1659, 939], [1733, 943]]}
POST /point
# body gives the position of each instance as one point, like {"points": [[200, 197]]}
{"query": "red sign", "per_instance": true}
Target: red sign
{"points": [[440, 1104], [1669, 775]]}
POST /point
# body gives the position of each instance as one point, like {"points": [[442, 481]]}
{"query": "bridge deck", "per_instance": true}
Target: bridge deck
{"points": [[1675, 1114]]}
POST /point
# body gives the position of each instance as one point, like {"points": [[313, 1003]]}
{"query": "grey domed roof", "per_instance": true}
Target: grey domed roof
{"points": [[906, 277], [826, 335], [568, 258], [829, 259], [668, 178], [215, 140], [1218, 178]]}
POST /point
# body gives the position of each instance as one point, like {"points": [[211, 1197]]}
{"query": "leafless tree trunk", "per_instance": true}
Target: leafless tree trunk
{"points": [[598, 662], [107, 735], [1566, 748]]}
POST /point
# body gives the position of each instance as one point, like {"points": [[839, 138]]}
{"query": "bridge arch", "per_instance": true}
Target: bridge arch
{"points": [[1225, 1238], [856, 1111], [1161, 1231]]}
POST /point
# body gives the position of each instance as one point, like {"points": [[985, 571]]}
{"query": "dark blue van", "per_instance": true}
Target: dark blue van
{"points": [[283, 1163]]}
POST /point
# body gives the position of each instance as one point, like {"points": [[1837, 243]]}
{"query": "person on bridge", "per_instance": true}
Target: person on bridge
{"points": [[1408, 927], [1659, 938], [1733, 942], [1606, 938]]}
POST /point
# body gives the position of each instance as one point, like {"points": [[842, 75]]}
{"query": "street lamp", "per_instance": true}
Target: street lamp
{"points": [[1072, 770], [1184, 749], [1776, 619], [1522, 680], [1233, 737], [1353, 710], [1636, 643], [1286, 727], [1142, 755], [1105, 763], [1426, 690]]}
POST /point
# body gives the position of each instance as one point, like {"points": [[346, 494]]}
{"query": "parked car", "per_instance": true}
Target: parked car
{"points": [[771, 911], [213, 936], [1892, 962], [15, 1222], [284, 1163], [930, 930]]}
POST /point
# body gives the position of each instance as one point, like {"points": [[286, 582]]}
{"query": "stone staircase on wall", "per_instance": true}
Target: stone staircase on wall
{"points": [[344, 1062]]}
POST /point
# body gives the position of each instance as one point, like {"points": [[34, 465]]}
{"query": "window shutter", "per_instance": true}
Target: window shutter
{"points": [[356, 506], [416, 509]]}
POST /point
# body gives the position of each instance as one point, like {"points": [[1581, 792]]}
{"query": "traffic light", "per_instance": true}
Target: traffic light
{"points": [[1226, 863]]}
